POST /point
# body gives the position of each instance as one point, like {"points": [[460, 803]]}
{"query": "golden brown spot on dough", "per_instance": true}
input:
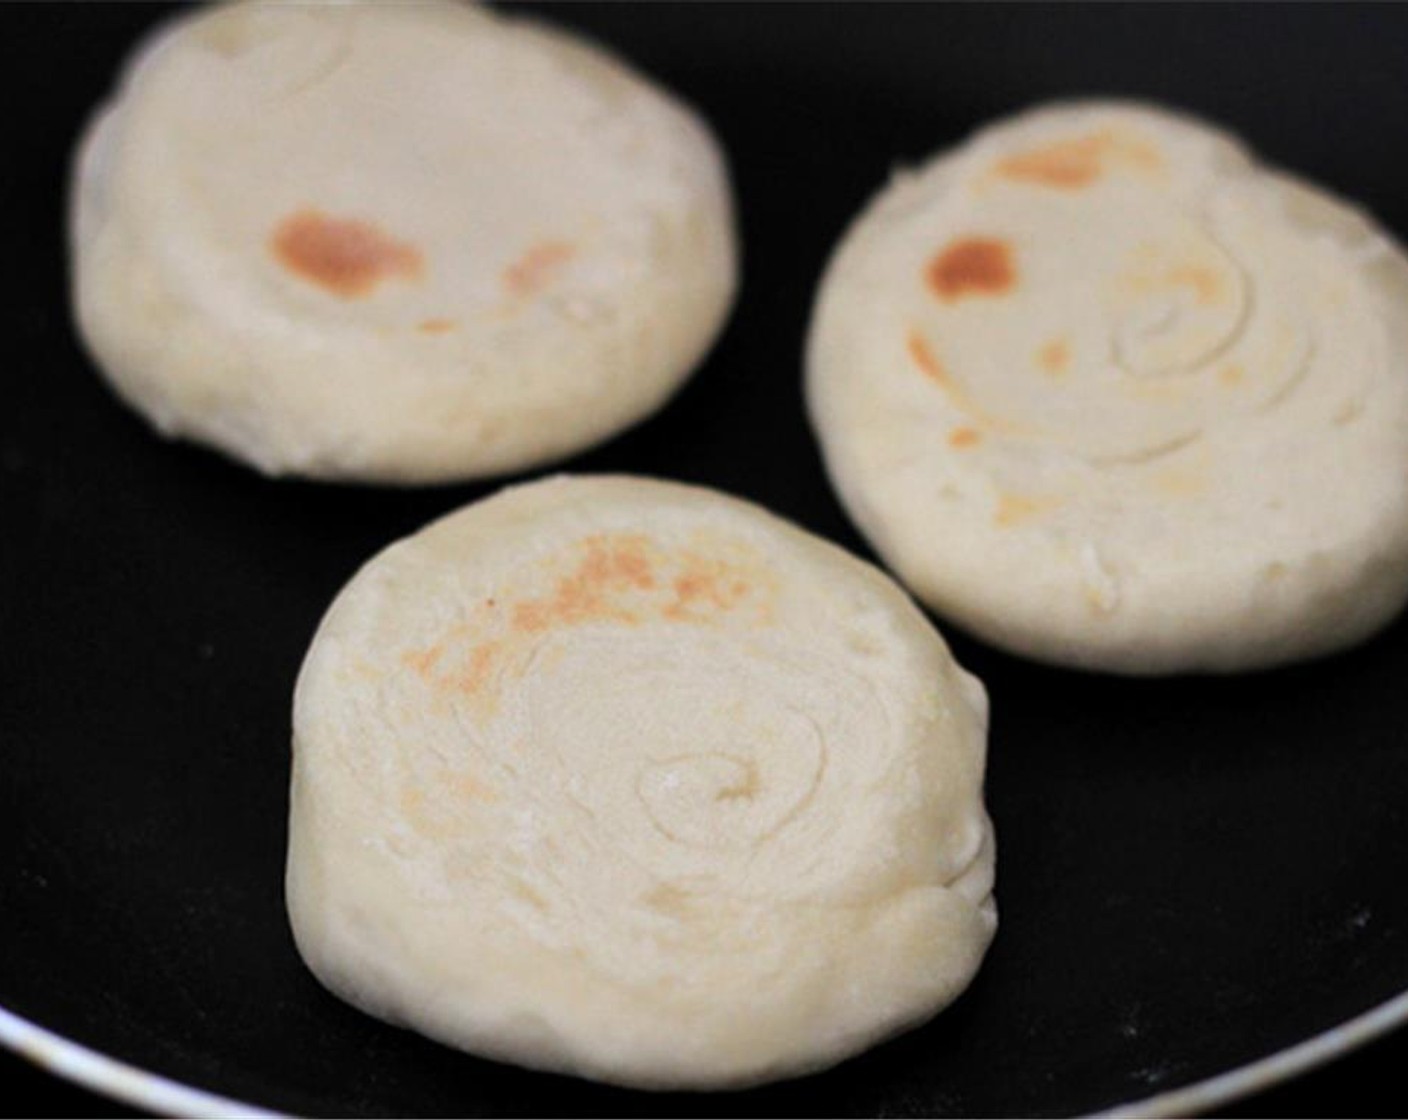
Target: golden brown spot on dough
{"points": [[1067, 164], [427, 815], [528, 894], [1205, 282], [745, 789], [928, 362], [668, 899], [622, 578], [1230, 375], [477, 671], [612, 565], [436, 326], [532, 617], [412, 802], [344, 256], [961, 438], [1186, 473], [537, 268], [1013, 509], [706, 584], [1055, 357], [971, 266], [1348, 412], [924, 358], [1100, 600], [363, 668], [1074, 164], [626, 577], [423, 661], [1181, 482]]}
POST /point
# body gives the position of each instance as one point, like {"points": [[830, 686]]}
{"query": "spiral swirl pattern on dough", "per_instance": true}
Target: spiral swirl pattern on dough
{"points": [[664, 791], [395, 242], [1086, 379]]}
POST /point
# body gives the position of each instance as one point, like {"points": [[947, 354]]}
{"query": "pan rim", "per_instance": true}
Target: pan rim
{"points": [[72, 1061], [130, 1084]]}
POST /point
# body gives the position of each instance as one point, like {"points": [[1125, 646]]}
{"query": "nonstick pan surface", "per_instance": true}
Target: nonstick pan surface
{"points": [[1193, 873]]}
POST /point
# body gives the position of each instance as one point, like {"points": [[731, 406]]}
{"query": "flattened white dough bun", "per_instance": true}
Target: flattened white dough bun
{"points": [[633, 780], [397, 242], [1108, 393]]}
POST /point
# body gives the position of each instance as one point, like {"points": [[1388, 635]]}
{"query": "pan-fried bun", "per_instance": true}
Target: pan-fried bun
{"points": [[633, 780], [395, 242], [1107, 392]]}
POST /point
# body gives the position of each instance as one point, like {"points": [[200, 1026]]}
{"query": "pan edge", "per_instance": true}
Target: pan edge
{"points": [[101, 1073]]}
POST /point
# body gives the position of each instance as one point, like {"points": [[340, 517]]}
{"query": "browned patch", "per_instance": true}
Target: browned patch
{"points": [[1181, 482], [1013, 509], [745, 789], [972, 266], [365, 669], [536, 268], [436, 326], [1205, 282], [1066, 164], [434, 815], [528, 894], [964, 437], [477, 671], [412, 802], [423, 661], [1055, 357], [426, 814], [929, 364], [1074, 164], [1230, 375], [668, 899], [466, 676], [472, 789], [707, 584], [622, 578], [925, 358], [344, 256], [611, 565]]}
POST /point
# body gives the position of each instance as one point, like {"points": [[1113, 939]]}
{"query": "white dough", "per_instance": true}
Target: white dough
{"points": [[633, 780], [396, 242], [1108, 393]]}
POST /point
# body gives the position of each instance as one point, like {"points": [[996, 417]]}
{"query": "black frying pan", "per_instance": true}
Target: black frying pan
{"points": [[1193, 873]]}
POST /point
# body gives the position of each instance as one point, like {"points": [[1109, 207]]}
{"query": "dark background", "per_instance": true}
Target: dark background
{"points": [[1192, 873]]}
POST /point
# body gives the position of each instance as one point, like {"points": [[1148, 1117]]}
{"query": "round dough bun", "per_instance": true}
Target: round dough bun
{"points": [[402, 243], [1107, 393], [633, 780]]}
